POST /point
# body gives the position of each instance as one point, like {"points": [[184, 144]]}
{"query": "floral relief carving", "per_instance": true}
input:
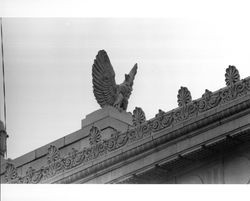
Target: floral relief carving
{"points": [[208, 100], [246, 83], [53, 154], [29, 175], [138, 116], [10, 172], [95, 136], [207, 95], [98, 147], [232, 76], [160, 113], [184, 96]]}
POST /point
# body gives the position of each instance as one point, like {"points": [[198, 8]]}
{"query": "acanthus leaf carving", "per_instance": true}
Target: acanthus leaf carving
{"points": [[184, 96], [232, 76], [95, 136], [10, 172], [138, 116], [207, 95], [246, 83], [30, 172], [160, 114], [53, 154]]}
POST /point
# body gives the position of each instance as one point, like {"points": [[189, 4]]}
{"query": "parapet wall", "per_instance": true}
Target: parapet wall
{"points": [[104, 119], [109, 134]]}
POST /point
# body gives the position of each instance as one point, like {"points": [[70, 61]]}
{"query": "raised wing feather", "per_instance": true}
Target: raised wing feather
{"points": [[131, 76], [132, 73], [103, 77]]}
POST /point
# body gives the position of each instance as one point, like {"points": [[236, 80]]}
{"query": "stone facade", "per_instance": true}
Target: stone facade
{"points": [[202, 141]]}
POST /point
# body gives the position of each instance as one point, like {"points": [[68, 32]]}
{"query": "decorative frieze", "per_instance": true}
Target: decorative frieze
{"points": [[141, 129]]}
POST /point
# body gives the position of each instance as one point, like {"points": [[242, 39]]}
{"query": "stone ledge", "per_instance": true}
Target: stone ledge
{"points": [[178, 146], [76, 136], [131, 168]]}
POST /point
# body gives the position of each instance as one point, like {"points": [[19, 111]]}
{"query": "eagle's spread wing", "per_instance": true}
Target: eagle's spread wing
{"points": [[131, 76], [103, 75]]}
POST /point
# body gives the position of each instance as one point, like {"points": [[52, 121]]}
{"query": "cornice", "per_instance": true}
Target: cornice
{"points": [[164, 128]]}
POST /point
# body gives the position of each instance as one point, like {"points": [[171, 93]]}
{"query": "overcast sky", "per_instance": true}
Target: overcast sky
{"points": [[48, 64]]}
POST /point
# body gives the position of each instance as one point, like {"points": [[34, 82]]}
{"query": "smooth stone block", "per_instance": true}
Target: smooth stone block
{"points": [[107, 111]]}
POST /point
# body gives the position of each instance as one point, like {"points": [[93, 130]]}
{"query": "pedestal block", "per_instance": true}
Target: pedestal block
{"points": [[108, 120]]}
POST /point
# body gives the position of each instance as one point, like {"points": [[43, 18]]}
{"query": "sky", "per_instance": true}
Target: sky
{"points": [[48, 63]]}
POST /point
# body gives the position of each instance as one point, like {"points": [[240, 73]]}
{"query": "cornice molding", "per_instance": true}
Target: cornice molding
{"points": [[176, 123]]}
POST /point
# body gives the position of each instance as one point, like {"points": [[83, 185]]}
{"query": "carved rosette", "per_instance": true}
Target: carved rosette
{"points": [[184, 96], [138, 116], [232, 75], [53, 154], [95, 136], [10, 172]]}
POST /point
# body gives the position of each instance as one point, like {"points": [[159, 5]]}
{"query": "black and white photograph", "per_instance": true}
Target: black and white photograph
{"points": [[124, 99]]}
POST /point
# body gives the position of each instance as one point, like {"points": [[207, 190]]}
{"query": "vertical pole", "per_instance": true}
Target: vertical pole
{"points": [[4, 134], [4, 93]]}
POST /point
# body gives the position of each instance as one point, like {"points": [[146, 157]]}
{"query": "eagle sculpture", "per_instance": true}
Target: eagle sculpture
{"points": [[106, 91]]}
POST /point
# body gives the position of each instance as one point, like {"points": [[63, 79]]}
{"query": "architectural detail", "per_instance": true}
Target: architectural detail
{"points": [[10, 172], [106, 91], [160, 113], [207, 95], [138, 116], [184, 96], [153, 135], [29, 175], [95, 136], [3, 139], [232, 75], [162, 120], [53, 154]]}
